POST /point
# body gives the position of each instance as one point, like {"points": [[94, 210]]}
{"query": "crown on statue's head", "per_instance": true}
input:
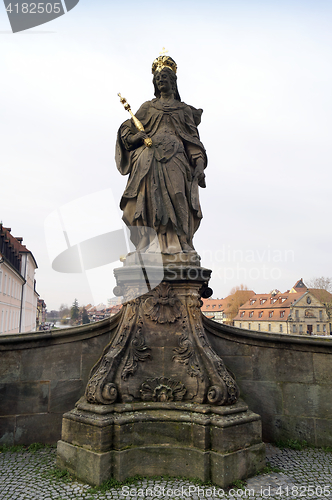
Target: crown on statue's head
{"points": [[162, 62]]}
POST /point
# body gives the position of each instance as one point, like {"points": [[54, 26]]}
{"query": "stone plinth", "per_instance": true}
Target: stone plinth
{"points": [[160, 400], [220, 444]]}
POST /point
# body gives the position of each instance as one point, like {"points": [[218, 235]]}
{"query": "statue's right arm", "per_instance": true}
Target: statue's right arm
{"points": [[130, 136]]}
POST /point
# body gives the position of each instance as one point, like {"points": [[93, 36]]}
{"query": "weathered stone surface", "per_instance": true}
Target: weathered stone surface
{"points": [[91, 467], [160, 438], [323, 428], [24, 397], [30, 428], [322, 368], [88, 436], [283, 365], [225, 469], [7, 430], [237, 436], [265, 397], [240, 366], [307, 400], [292, 427], [64, 394], [92, 349], [58, 362], [10, 366], [159, 460]]}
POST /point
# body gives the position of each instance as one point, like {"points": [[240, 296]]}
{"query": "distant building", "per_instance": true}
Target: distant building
{"points": [[99, 312], [297, 311], [18, 296], [225, 310]]}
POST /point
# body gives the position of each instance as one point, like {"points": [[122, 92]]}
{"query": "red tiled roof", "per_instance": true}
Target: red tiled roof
{"points": [[213, 305]]}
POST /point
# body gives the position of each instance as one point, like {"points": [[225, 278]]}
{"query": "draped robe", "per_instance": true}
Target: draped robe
{"points": [[161, 192]]}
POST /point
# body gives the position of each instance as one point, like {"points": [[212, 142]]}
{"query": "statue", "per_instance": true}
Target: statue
{"points": [[162, 189]]}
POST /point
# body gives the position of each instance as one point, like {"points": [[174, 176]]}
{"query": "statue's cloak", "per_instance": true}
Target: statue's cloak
{"points": [[180, 153]]}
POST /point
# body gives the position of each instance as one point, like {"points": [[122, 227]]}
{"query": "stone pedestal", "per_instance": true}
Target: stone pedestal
{"points": [[220, 444], [160, 400]]}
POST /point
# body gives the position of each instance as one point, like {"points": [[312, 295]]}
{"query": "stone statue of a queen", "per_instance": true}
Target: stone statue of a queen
{"points": [[162, 189]]}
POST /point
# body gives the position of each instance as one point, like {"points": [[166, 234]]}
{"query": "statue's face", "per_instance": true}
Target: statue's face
{"points": [[163, 81]]}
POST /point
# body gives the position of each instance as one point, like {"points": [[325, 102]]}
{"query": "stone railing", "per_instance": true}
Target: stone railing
{"points": [[42, 375], [287, 379]]}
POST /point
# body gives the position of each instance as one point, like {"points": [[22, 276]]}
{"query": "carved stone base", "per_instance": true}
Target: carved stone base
{"points": [[148, 404], [160, 351], [220, 444]]}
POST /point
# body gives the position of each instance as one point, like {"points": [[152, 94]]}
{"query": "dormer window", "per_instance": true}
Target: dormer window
{"points": [[282, 314], [251, 314], [252, 301], [260, 314], [262, 301], [242, 314], [271, 314]]}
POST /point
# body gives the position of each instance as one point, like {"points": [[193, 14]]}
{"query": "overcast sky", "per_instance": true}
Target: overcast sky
{"points": [[261, 71]]}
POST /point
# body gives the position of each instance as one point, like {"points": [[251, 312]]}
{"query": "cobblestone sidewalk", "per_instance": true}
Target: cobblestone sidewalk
{"points": [[304, 474]]}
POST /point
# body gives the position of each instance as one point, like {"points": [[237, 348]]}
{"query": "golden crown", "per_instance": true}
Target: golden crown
{"points": [[162, 62]]}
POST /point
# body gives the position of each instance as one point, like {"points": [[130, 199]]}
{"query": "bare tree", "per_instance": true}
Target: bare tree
{"points": [[321, 288]]}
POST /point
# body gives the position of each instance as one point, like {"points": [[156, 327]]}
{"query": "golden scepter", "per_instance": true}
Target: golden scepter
{"points": [[138, 125]]}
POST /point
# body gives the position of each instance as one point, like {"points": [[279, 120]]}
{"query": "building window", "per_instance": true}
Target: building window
{"points": [[321, 315], [282, 314], [249, 326], [318, 328], [252, 301], [259, 327], [269, 327], [242, 314], [324, 328], [0, 281], [300, 329], [280, 328], [260, 314], [271, 314], [240, 325], [251, 314], [294, 328], [297, 314], [5, 285], [262, 301]]}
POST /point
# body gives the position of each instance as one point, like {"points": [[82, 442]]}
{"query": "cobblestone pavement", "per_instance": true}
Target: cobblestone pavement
{"points": [[304, 474]]}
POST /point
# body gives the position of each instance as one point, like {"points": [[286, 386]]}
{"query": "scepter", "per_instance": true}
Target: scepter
{"points": [[138, 125]]}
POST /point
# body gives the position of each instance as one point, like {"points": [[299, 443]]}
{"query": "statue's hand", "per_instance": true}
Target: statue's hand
{"points": [[137, 139]]}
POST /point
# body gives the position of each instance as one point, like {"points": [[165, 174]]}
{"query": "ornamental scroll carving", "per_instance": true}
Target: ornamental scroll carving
{"points": [[224, 389], [162, 306], [100, 388], [138, 351]]}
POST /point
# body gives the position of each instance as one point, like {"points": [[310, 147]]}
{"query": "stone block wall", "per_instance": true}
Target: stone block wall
{"points": [[42, 375], [286, 379]]}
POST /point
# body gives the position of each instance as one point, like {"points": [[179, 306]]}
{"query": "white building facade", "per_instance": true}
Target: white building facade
{"points": [[18, 296]]}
